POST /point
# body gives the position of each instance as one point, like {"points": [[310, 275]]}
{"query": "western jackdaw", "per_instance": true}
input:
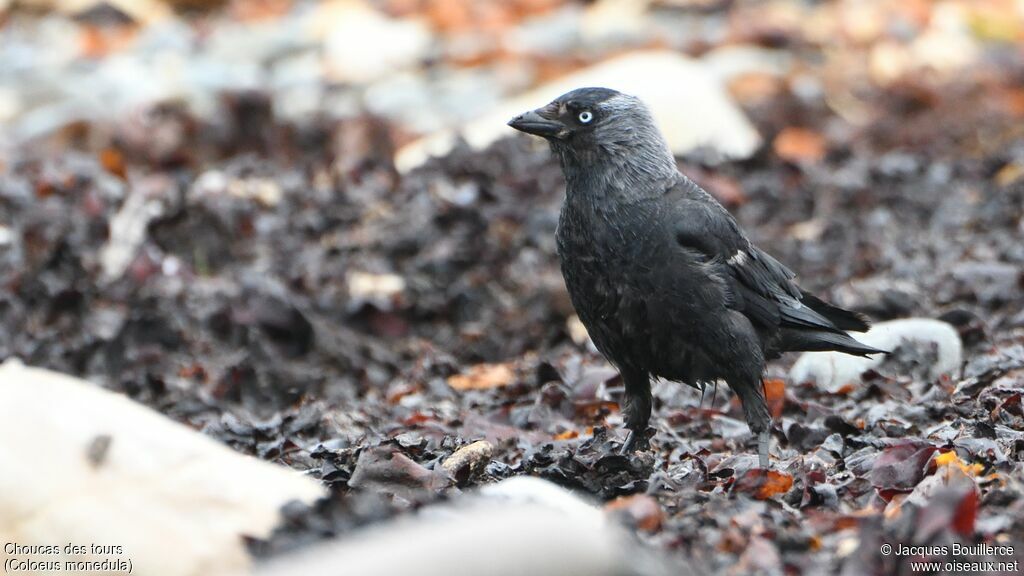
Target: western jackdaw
{"points": [[661, 275]]}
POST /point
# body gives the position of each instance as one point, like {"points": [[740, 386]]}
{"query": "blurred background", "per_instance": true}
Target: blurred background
{"points": [[304, 230]]}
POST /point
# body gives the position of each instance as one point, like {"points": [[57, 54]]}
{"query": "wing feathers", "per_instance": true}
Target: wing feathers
{"points": [[763, 288]]}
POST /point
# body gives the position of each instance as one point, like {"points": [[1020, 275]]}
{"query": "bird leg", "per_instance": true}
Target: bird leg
{"points": [[755, 409], [637, 409], [764, 439]]}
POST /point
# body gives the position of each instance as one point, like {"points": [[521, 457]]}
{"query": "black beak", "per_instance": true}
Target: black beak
{"points": [[533, 123]]}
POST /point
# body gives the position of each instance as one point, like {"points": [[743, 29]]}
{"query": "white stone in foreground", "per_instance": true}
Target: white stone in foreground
{"points": [[176, 501], [520, 526], [832, 370], [689, 104]]}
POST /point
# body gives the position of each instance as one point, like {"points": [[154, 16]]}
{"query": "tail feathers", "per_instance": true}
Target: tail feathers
{"points": [[843, 319], [795, 340]]}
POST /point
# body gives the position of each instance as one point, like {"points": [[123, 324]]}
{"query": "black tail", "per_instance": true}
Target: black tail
{"points": [[797, 340], [843, 319]]}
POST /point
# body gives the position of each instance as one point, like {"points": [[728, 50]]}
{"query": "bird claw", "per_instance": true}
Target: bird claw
{"points": [[629, 446], [763, 442]]}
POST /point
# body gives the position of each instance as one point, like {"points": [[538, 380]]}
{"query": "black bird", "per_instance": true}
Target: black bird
{"points": [[661, 275]]}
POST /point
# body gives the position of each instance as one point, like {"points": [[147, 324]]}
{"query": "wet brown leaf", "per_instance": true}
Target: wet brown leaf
{"points": [[642, 510], [965, 514], [113, 162], [763, 484], [483, 376], [753, 87], [385, 469], [952, 460], [800, 145], [902, 466], [775, 396]]}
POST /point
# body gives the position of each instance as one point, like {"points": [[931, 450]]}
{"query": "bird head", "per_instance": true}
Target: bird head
{"points": [[598, 126]]}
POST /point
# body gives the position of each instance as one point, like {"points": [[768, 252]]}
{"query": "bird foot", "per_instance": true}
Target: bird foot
{"points": [[634, 441], [764, 439]]}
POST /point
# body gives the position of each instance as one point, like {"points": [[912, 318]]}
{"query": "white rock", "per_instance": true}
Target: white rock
{"points": [[10, 104], [265, 191], [527, 490], [689, 104], [518, 526], [832, 370], [549, 33], [378, 289], [6, 236], [610, 20], [82, 465], [364, 44], [732, 60]]}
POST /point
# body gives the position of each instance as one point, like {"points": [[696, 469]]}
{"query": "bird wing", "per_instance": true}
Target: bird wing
{"points": [[759, 285]]}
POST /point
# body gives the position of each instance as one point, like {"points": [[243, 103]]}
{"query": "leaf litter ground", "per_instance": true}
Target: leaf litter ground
{"points": [[362, 326]]}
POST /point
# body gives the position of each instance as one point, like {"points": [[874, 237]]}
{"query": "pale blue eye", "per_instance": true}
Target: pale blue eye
{"points": [[586, 116]]}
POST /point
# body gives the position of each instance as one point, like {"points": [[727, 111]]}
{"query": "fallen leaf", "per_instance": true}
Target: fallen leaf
{"points": [[774, 394], [1013, 101], [400, 390], [259, 11], [753, 87], [98, 41], [385, 469], [902, 466], [763, 484], [417, 418], [894, 507], [595, 409], [1009, 174], [948, 500], [194, 371], [965, 514], [799, 145], [483, 376], [113, 162], [1012, 404], [642, 510], [846, 390], [951, 459]]}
